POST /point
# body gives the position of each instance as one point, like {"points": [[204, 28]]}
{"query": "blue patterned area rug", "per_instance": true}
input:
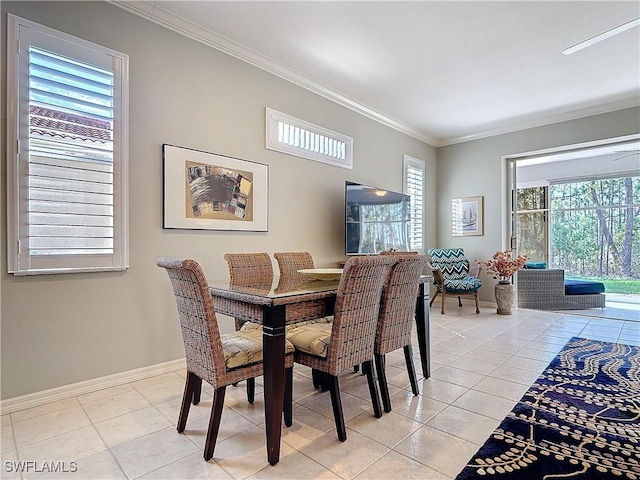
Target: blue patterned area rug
{"points": [[579, 420]]}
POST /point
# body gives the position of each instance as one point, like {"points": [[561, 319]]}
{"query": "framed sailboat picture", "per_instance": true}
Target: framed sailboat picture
{"points": [[467, 216]]}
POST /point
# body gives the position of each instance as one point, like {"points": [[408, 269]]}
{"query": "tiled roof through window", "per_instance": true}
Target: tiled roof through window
{"points": [[57, 123]]}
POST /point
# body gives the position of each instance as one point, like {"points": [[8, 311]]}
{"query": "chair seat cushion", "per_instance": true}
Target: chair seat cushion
{"points": [[464, 285], [250, 326], [244, 347], [322, 320], [312, 338], [582, 287]]}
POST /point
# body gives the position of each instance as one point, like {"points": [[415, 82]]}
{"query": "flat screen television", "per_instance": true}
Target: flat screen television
{"points": [[375, 220]]}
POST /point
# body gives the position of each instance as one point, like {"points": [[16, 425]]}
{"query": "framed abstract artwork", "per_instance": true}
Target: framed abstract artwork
{"points": [[467, 216], [209, 191]]}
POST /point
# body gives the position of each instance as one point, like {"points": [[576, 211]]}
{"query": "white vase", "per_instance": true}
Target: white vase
{"points": [[504, 292]]}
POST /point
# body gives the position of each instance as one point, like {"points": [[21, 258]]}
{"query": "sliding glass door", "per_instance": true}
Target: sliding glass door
{"points": [[533, 223], [578, 209]]}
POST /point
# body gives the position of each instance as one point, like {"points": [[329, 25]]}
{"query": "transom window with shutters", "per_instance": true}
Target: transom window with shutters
{"points": [[414, 172], [297, 137], [67, 175]]}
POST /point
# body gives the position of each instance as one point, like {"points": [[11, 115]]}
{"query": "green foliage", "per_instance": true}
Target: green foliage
{"points": [[531, 224], [589, 228]]}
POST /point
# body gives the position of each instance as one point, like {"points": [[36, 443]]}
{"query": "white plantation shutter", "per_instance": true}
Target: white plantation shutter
{"points": [[294, 136], [414, 171], [70, 157], [309, 141], [70, 213]]}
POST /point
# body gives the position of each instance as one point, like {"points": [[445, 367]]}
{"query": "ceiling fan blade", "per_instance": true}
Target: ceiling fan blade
{"points": [[598, 38]]}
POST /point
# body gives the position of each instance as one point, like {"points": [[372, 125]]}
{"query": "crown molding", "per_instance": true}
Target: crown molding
{"points": [[547, 120], [155, 13]]}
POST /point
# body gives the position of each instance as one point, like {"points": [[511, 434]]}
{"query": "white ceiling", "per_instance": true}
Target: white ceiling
{"points": [[443, 72], [573, 167]]}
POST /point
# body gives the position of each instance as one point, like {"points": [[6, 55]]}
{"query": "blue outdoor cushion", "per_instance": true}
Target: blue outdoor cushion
{"points": [[582, 287], [536, 265]]}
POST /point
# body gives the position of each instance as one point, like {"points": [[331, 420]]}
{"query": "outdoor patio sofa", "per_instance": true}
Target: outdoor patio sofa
{"points": [[547, 289]]}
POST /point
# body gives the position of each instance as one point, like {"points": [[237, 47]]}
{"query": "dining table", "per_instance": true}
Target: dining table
{"points": [[285, 303]]}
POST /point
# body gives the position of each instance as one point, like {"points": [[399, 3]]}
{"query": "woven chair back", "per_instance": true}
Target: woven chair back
{"points": [[250, 270], [289, 263], [398, 304], [197, 316], [356, 311]]}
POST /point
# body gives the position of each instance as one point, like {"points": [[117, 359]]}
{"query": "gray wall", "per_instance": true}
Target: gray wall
{"points": [[62, 329], [476, 168]]}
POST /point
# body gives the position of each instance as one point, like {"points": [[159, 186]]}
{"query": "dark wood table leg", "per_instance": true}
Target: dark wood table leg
{"points": [[422, 324], [273, 338]]}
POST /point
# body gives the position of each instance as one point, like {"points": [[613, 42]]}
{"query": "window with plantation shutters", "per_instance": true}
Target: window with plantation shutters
{"points": [[414, 171], [294, 136], [68, 175]]}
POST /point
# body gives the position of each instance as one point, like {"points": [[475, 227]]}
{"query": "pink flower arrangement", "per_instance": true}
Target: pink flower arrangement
{"points": [[503, 266]]}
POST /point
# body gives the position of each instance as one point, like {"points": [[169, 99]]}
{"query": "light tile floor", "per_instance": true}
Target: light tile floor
{"points": [[481, 365]]}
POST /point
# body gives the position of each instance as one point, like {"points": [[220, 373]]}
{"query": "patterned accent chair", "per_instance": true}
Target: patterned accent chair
{"points": [[452, 275], [218, 359]]}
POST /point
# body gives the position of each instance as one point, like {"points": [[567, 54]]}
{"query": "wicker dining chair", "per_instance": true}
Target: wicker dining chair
{"points": [[356, 368], [290, 262], [218, 359], [249, 270], [397, 312], [332, 348]]}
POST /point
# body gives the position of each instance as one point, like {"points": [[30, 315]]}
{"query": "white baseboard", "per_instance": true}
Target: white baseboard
{"points": [[64, 392]]}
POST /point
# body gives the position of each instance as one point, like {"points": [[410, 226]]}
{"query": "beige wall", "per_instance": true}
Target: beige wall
{"points": [[62, 329], [476, 168]]}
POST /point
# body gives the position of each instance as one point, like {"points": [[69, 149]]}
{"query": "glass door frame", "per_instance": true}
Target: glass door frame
{"points": [[509, 191]]}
